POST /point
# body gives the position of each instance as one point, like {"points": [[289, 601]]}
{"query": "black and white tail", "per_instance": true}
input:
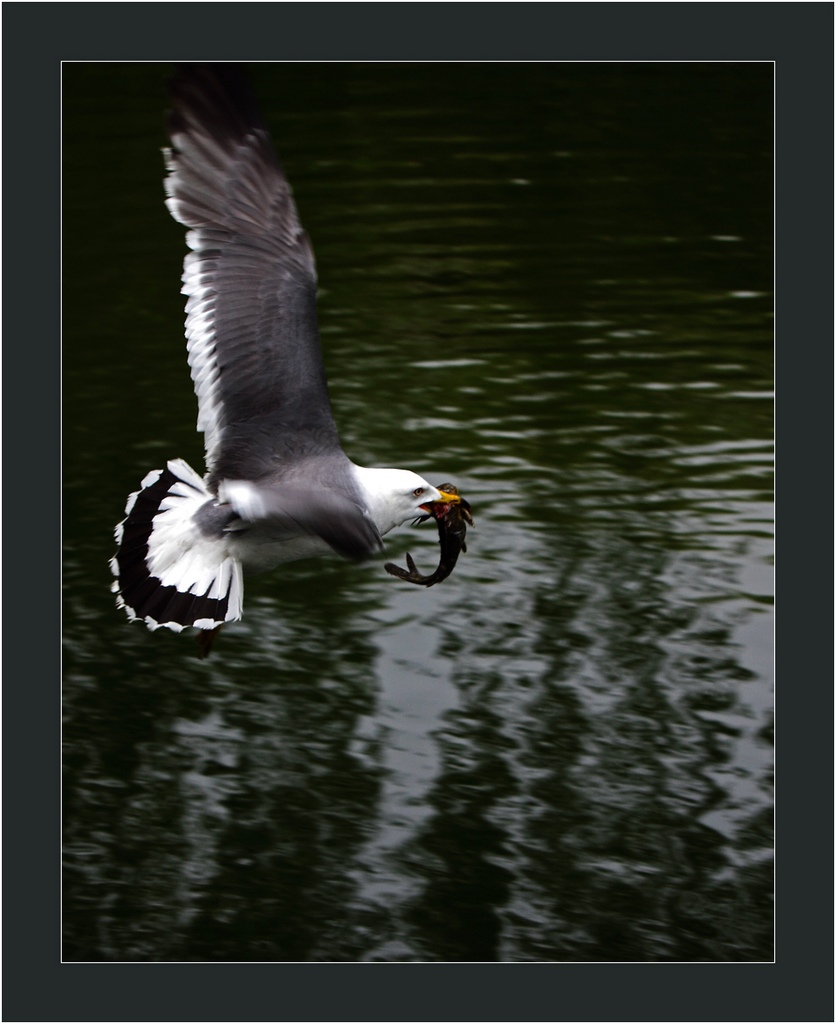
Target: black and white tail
{"points": [[167, 571]]}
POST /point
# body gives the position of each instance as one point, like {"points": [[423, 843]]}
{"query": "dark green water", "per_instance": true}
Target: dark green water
{"points": [[550, 284]]}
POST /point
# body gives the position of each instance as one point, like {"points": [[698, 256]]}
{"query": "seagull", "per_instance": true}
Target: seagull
{"points": [[278, 486]]}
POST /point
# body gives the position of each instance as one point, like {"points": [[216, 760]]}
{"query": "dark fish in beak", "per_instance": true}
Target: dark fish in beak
{"points": [[453, 515]]}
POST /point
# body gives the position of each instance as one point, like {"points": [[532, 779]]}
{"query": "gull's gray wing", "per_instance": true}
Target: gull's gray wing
{"points": [[251, 328], [305, 503]]}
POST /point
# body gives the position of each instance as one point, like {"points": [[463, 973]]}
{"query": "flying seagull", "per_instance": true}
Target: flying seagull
{"points": [[278, 486]]}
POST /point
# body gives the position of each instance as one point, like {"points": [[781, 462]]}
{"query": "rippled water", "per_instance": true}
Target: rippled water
{"points": [[551, 285]]}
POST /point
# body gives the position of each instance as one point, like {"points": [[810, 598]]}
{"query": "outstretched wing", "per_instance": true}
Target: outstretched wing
{"points": [[250, 279]]}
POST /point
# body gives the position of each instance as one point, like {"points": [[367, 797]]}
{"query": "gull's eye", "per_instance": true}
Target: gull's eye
{"points": [[418, 492]]}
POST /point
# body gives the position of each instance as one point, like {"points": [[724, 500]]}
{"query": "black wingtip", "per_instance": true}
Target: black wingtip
{"points": [[218, 94]]}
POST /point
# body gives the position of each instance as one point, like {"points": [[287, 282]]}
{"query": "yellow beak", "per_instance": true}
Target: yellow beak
{"points": [[452, 499]]}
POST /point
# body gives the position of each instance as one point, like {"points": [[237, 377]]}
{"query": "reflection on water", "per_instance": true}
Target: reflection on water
{"points": [[552, 289]]}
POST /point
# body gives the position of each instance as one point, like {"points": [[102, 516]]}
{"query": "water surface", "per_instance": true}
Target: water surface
{"points": [[550, 284]]}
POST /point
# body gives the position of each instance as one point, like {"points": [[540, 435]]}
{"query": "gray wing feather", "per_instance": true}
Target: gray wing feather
{"points": [[335, 517], [304, 503], [250, 279]]}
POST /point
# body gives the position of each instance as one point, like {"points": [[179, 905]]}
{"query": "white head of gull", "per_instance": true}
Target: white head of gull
{"points": [[278, 486]]}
